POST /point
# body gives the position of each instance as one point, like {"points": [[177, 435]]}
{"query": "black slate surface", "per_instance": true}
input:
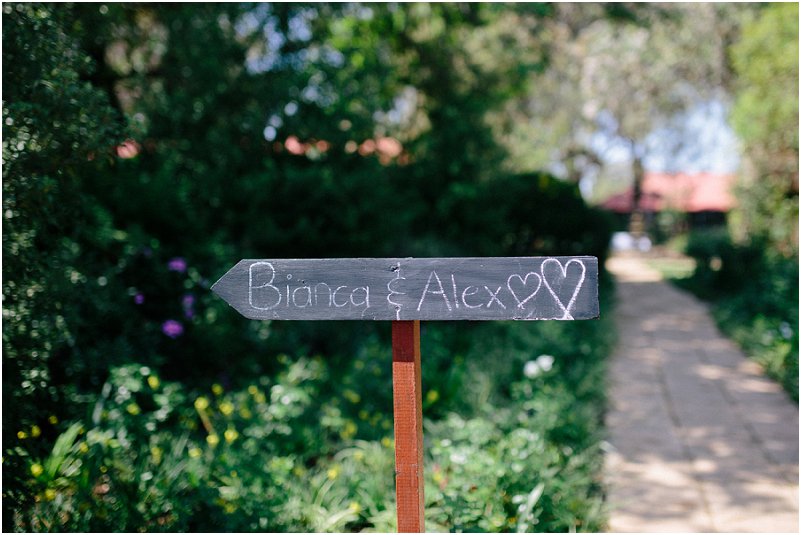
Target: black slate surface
{"points": [[503, 288]]}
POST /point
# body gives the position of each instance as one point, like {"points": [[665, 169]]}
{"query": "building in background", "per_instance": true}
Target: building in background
{"points": [[675, 202]]}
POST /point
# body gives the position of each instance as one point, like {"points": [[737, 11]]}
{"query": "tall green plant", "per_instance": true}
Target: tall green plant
{"points": [[765, 116], [56, 127]]}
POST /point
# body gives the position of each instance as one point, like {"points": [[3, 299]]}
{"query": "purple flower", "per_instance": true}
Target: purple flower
{"points": [[177, 264], [139, 298], [188, 303], [172, 328]]}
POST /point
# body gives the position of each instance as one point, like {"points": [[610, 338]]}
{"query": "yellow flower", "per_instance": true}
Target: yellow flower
{"points": [[299, 471], [352, 396], [386, 442], [133, 409], [245, 413], [22, 435], [358, 455], [349, 431], [82, 447], [50, 495], [333, 472], [259, 397], [52, 419], [195, 452], [201, 403], [35, 431], [229, 508], [217, 389], [363, 415], [432, 396], [438, 477], [156, 452], [354, 507], [230, 435], [153, 381], [253, 390], [227, 408], [213, 439], [36, 469]]}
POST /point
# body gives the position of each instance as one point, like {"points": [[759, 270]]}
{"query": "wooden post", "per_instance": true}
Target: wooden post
{"points": [[408, 406]]}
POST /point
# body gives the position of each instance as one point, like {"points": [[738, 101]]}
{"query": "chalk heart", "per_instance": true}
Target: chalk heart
{"points": [[524, 287], [557, 277]]}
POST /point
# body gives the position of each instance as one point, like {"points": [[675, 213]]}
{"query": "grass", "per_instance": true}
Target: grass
{"points": [[673, 268]]}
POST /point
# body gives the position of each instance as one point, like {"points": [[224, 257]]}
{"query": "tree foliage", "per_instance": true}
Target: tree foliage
{"points": [[613, 81], [765, 116], [56, 126]]}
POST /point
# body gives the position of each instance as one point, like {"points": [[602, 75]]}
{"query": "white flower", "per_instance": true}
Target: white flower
{"points": [[540, 365], [458, 458], [531, 369], [545, 362], [785, 330]]}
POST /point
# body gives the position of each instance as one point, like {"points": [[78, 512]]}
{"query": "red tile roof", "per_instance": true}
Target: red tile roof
{"points": [[698, 192]]}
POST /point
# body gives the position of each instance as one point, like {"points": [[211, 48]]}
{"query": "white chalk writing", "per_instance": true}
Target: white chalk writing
{"points": [[392, 291], [267, 285], [561, 277], [466, 292], [264, 295], [460, 291], [494, 297], [524, 281], [441, 292]]}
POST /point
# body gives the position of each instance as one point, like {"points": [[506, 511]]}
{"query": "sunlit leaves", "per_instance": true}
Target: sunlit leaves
{"points": [[765, 116]]}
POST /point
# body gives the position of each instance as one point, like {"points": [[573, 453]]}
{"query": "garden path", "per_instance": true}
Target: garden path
{"points": [[699, 440]]}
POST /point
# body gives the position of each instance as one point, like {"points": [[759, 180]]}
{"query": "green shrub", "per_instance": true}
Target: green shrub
{"points": [[721, 265], [526, 214], [311, 449]]}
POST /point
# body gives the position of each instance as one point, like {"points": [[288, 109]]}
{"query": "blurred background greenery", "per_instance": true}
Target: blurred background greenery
{"points": [[147, 148]]}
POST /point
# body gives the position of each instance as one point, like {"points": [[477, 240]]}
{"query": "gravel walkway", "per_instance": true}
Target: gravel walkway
{"points": [[699, 439]]}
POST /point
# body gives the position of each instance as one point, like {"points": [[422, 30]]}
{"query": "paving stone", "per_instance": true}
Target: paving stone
{"points": [[699, 439]]}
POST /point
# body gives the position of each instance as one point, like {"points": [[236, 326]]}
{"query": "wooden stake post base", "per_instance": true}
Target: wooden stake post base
{"points": [[408, 409]]}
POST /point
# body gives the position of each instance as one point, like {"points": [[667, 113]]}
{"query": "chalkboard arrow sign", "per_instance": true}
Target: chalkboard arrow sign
{"points": [[505, 288]]}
